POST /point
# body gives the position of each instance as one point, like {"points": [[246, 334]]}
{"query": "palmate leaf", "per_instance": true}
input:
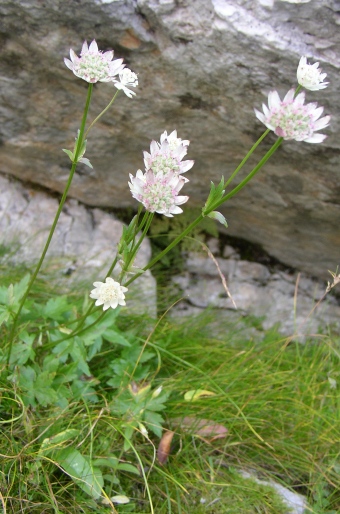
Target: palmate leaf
{"points": [[56, 308], [23, 351], [154, 422], [75, 348], [37, 386], [12, 295], [79, 468]]}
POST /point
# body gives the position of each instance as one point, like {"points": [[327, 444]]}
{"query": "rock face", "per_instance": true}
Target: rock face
{"points": [[202, 67], [291, 300], [82, 248]]}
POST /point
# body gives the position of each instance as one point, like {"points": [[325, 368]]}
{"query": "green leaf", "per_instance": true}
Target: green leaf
{"points": [[78, 467], [154, 422], [23, 351], [128, 432], [26, 380], [42, 390], [78, 354], [215, 215], [108, 462], [19, 289], [49, 444], [66, 373], [75, 348], [4, 316], [112, 336], [85, 161], [69, 153], [83, 389], [128, 467], [37, 386], [216, 193], [56, 308]]}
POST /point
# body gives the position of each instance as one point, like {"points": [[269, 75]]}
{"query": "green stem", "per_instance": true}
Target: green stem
{"points": [[75, 333], [248, 177], [187, 230], [62, 201], [212, 208], [101, 114], [168, 248], [253, 148], [135, 249]]}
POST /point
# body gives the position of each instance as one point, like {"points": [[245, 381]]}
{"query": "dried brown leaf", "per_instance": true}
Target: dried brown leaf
{"points": [[200, 427], [163, 450]]}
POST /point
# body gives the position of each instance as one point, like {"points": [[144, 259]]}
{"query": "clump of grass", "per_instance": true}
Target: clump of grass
{"points": [[277, 398]]}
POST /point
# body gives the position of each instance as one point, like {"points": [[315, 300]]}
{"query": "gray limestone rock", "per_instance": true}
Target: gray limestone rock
{"points": [[296, 503], [82, 248], [290, 300]]}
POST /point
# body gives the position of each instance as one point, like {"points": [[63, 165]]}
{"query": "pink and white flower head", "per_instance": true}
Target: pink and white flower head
{"points": [[164, 159], [158, 192], [93, 65], [291, 119], [173, 140], [127, 78], [109, 293], [309, 76]]}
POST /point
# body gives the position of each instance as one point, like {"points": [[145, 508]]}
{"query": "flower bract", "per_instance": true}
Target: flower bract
{"points": [[292, 119], [310, 76], [164, 158], [157, 189], [127, 78], [108, 294], [173, 140], [94, 65], [158, 192]]}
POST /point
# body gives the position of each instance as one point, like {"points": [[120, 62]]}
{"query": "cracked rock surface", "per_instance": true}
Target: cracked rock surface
{"points": [[82, 249], [280, 297]]}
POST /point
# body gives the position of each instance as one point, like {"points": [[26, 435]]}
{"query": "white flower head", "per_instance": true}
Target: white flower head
{"points": [[165, 159], [291, 119], [158, 192], [173, 140], [109, 293], [94, 65], [127, 78], [309, 75]]}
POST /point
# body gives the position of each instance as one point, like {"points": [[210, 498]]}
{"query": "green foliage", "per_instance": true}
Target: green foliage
{"points": [[82, 414]]}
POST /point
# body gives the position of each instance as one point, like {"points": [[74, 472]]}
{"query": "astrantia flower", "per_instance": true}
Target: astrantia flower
{"points": [[158, 192], [309, 76], [291, 119], [173, 140], [109, 293], [165, 159], [127, 78], [93, 65]]}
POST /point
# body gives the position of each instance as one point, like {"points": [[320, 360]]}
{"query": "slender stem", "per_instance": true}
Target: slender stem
{"points": [[248, 177], [139, 242], [297, 90], [61, 204], [168, 248], [76, 333], [212, 208], [253, 148], [101, 114], [186, 231]]}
